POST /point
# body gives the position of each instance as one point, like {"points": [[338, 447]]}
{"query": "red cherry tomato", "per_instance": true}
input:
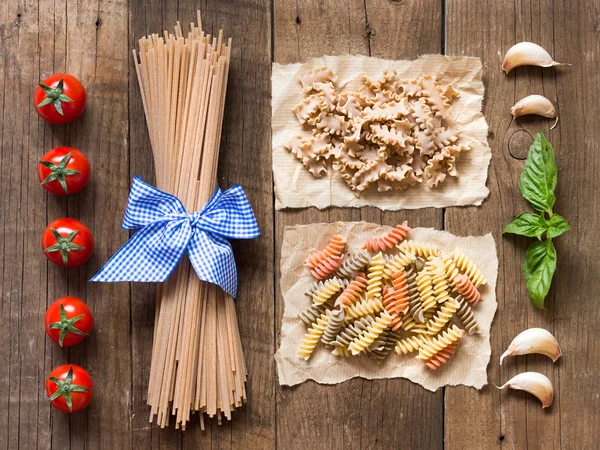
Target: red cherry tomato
{"points": [[64, 170], [68, 321], [59, 99], [69, 388], [67, 242]]}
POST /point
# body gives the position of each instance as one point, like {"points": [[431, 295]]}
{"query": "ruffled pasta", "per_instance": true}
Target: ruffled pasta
{"points": [[467, 289], [352, 292], [373, 331], [353, 264], [442, 317], [468, 267], [333, 250], [405, 128], [411, 344], [312, 336], [334, 325], [466, 316], [375, 276], [383, 243], [329, 289]]}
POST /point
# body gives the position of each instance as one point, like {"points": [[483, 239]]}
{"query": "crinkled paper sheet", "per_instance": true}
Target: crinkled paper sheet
{"points": [[467, 366], [295, 187]]}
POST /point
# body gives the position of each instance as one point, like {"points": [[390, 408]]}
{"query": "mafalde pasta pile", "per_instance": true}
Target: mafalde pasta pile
{"points": [[391, 133], [395, 294]]}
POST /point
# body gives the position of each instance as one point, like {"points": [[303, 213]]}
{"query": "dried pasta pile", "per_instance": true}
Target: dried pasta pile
{"points": [[394, 294], [395, 133], [197, 360]]}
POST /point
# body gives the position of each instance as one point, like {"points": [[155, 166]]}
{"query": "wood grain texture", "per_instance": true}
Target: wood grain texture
{"points": [[358, 413], [93, 40]]}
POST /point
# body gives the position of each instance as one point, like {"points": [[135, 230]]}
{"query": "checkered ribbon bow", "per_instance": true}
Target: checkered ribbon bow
{"points": [[167, 230]]}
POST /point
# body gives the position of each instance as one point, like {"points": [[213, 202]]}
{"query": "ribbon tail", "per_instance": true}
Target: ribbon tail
{"points": [[137, 260], [212, 259]]}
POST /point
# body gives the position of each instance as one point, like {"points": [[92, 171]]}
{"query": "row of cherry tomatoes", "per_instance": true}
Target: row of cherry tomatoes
{"points": [[66, 242]]}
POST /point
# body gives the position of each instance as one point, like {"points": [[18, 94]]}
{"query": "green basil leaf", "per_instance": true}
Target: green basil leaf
{"points": [[527, 224], [538, 178], [539, 267], [557, 226]]}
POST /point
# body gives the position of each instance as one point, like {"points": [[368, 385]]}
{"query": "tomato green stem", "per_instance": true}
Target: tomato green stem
{"points": [[65, 388], [59, 171], [54, 96], [66, 325], [63, 245]]}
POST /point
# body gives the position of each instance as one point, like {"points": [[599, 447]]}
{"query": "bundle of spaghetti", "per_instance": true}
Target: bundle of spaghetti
{"points": [[197, 360], [351, 294], [382, 243]]}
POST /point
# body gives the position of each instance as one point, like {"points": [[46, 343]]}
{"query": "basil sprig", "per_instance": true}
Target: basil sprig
{"points": [[537, 184]]}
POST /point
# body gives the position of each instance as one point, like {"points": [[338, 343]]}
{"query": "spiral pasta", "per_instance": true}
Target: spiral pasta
{"points": [[442, 317], [367, 307], [424, 249], [440, 285], [329, 289], [467, 289], [439, 343], [326, 267], [424, 282], [398, 262], [351, 294], [403, 299], [310, 314], [353, 264], [313, 335], [375, 276], [373, 331], [333, 250], [411, 344], [352, 331], [466, 316], [468, 267], [383, 243], [334, 325], [316, 285]]}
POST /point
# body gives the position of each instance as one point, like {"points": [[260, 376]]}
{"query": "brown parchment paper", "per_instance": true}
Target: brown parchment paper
{"points": [[295, 187], [467, 366]]}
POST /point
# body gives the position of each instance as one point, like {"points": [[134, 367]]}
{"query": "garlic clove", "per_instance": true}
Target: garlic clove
{"points": [[528, 54], [533, 340], [535, 383], [535, 104]]}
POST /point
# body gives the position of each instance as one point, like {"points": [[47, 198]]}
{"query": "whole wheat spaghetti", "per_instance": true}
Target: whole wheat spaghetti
{"points": [[197, 360]]}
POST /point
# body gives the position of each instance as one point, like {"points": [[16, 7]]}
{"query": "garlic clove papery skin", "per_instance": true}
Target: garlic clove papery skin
{"points": [[535, 383], [527, 54], [534, 104], [534, 340]]}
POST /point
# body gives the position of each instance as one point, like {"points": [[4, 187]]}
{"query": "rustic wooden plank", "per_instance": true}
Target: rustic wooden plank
{"points": [[309, 415], [488, 29]]}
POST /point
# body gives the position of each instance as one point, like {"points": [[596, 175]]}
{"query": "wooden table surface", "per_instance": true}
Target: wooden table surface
{"points": [[93, 40]]}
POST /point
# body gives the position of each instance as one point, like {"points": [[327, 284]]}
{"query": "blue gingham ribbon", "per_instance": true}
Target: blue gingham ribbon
{"points": [[167, 230]]}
